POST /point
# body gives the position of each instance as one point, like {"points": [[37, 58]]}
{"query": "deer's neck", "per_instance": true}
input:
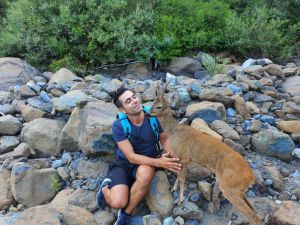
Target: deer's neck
{"points": [[167, 121]]}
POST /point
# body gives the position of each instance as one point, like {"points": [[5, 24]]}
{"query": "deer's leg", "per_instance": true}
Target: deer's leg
{"points": [[175, 184], [239, 201], [182, 176], [214, 205]]}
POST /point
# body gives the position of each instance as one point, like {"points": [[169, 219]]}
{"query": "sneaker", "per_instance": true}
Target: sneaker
{"points": [[100, 197], [123, 218]]}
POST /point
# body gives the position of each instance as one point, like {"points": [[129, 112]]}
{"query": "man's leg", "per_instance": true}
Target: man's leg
{"points": [[140, 187], [117, 196]]}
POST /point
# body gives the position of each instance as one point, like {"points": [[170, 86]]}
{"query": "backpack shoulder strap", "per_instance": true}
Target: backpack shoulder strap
{"points": [[125, 124]]}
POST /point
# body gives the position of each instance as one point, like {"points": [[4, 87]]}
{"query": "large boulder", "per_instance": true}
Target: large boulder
{"points": [[96, 133], [208, 111], [292, 85], [224, 129], [159, 198], [184, 66], [273, 143], [54, 215], [30, 113], [31, 186], [291, 126], [63, 75], [85, 199], [200, 125], [14, 71], [287, 214], [43, 135], [90, 169]]}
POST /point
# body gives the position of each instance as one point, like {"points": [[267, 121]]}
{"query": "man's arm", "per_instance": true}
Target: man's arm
{"points": [[164, 161]]}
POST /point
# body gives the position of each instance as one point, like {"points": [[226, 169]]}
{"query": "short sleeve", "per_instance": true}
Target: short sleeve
{"points": [[118, 132]]}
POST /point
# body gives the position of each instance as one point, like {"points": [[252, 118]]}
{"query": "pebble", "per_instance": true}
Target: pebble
{"points": [[278, 202]]}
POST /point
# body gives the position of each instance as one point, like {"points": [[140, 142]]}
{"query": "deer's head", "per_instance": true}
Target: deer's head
{"points": [[160, 105]]}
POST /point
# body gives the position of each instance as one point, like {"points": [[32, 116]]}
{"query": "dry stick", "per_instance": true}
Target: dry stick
{"points": [[95, 99]]}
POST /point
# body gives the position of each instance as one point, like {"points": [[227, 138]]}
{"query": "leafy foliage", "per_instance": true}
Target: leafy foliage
{"points": [[56, 183]]}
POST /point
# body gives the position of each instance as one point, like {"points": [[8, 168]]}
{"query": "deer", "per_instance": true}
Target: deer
{"points": [[232, 172]]}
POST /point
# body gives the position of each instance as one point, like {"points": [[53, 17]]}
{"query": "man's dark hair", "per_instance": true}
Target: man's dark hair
{"points": [[116, 94]]}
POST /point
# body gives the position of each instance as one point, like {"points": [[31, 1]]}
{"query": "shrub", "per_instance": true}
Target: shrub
{"points": [[257, 34], [55, 183], [88, 33], [189, 25], [212, 64]]}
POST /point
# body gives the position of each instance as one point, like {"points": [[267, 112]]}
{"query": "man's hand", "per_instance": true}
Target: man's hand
{"points": [[168, 162]]}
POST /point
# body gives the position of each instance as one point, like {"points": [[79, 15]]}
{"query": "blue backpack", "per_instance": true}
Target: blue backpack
{"points": [[127, 127]]}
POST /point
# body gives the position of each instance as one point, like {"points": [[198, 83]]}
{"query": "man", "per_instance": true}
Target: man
{"points": [[132, 170]]}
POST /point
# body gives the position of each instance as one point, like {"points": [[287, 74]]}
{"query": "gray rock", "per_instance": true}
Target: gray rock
{"points": [[30, 113], [292, 85], [64, 75], [89, 169], [84, 199], [184, 66], [255, 69], [151, 220], [9, 125], [8, 143], [6, 197], [23, 150], [31, 186], [104, 218], [95, 130], [217, 95], [224, 129], [273, 143], [14, 71], [7, 109], [159, 198], [188, 210], [37, 102], [66, 103], [44, 141], [273, 173], [26, 92]]}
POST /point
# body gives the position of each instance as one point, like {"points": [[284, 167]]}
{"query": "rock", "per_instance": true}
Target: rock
{"points": [[255, 126], [109, 87], [90, 169], [31, 186], [44, 141], [8, 143], [63, 75], [291, 107], [104, 218], [188, 210], [287, 214], [56, 215], [224, 129], [252, 108], [296, 137], [201, 126], [6, 97], [26, 92], [241, 108], [6, 197], [30, 113], [255, 69], [273, 173], [149, 94], [151, 220], [263, 206], [208, 111], [287, 72], [274, 70], [7, 109], [84, 199], [273, 143], [197, 172], [236, 146], [206, 189], [71, 131], [218, 79], [248, 63], [14, 71], [23, 150], [137, 71], [217, 95], [292, 85], [37, 102], [66, 103], [184, 66], [95, 130], [63, 197], [296, 193], [159, 198], [292, 126], [9, 125]]}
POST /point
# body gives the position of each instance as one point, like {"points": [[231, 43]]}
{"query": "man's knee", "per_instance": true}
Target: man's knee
{"points": [[119, 197], [118, 203], [145, 174]]}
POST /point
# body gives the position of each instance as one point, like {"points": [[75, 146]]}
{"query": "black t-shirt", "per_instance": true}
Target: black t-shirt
{"points": [[142, 139]]}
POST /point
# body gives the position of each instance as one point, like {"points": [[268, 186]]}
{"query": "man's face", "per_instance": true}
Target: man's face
{"points": [[131, 104]]}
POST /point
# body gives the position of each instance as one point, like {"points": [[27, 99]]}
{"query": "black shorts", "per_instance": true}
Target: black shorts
{"points": [[122, 172]]}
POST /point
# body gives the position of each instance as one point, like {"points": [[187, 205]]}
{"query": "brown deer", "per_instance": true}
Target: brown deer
{"points": [[232, 172]]}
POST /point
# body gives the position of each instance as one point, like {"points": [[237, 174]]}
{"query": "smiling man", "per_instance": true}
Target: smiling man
{"points": [[132, 170]]}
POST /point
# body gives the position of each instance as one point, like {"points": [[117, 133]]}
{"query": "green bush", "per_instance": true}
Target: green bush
{"points": [[189, 25], [89, 33], [257, 34]]}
